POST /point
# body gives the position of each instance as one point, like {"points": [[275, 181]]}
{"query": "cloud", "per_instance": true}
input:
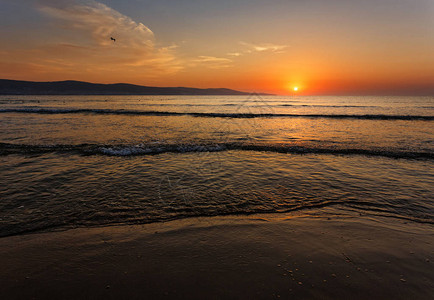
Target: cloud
{"points": [[264, 47], [80, 45], [100, 22], [214, 62]]}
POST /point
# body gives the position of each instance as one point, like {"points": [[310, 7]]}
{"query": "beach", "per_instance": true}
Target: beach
{"points": [[272, 256]]}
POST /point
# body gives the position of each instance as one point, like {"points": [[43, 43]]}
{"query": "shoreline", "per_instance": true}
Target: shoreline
{"points": [[257, 256]]}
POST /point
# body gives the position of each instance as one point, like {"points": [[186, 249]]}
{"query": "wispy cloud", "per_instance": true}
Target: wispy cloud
{"points": [[213, 62], [235, 54], [263, 47]]}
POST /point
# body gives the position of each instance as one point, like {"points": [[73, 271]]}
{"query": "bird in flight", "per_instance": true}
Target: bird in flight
{"points": [[113, 39]]}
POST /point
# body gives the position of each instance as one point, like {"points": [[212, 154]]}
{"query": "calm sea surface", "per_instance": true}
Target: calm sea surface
{"points": [[68, 161]]}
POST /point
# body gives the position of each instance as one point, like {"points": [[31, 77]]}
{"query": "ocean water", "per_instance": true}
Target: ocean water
{"points": [[71, 161]]}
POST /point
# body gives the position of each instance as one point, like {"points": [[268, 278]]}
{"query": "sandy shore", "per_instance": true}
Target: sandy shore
{"points": [[257, 257]]}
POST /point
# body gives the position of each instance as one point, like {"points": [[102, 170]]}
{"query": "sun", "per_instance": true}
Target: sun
{"points": [[295, 88]]}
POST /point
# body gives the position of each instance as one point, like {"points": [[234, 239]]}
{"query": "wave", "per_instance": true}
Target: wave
{"points": [[210, 115], [143, 149], [323, 105], [131, 218]]}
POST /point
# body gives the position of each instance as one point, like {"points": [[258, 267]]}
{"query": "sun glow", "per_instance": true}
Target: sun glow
{"points": [[295, 88]]}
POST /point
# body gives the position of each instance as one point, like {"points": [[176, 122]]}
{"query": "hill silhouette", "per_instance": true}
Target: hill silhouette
{"points": [[71, 87]]}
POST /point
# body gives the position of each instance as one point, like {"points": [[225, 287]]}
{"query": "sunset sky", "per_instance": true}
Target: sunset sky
{"points": [[320, 46]]}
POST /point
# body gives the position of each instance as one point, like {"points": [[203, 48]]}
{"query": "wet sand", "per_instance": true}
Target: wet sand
{"points": [[256, 257]]}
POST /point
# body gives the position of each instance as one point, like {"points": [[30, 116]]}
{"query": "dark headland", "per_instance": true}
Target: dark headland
{"points": [[70, 87]]}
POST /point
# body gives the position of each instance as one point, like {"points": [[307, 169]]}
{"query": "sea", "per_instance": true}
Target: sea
{"points": [[84, 161]]}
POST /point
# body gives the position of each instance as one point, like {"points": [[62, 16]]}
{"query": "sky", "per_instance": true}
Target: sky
{"points": [[323, 47]]}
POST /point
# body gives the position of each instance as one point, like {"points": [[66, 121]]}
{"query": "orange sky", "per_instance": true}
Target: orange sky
{"points": [[323, 47]]}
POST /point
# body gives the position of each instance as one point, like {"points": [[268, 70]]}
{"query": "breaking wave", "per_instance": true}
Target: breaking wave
{"points": [[212, 115], [143, 149]]}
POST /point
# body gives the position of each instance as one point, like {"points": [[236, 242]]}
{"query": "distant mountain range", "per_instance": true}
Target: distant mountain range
{"points": [[70, 87]]}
